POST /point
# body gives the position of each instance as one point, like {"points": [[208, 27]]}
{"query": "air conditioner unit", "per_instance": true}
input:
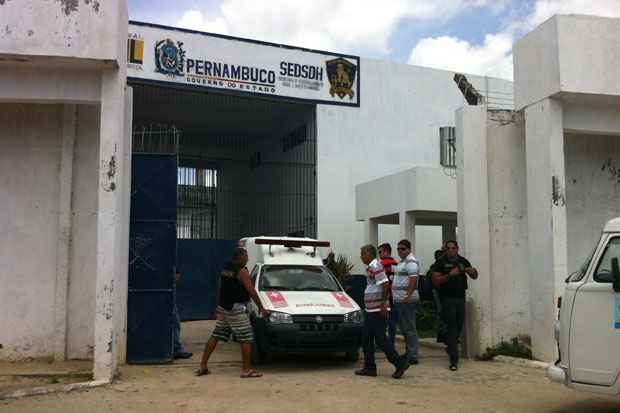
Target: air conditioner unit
{"points": [[447, 146]]}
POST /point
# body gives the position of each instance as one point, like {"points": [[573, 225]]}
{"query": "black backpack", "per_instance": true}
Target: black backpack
{"points": [[425, 287]]}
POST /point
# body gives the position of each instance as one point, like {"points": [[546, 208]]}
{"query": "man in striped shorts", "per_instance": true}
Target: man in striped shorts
{"points": [[376, 300], [236, 289]]}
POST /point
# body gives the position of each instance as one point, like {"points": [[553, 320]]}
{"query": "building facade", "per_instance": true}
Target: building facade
{"points": [[79, 87]]}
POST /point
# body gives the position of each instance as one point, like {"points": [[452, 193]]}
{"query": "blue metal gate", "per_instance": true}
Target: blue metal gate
{"points": [[152, 257], [200, 262]]}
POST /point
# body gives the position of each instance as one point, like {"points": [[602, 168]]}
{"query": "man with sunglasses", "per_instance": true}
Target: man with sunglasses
{"points": [[450, 274], [405, 296]]}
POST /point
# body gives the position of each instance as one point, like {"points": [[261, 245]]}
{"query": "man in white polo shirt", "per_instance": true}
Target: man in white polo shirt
{"points": [[376, 300], [405, 297]]}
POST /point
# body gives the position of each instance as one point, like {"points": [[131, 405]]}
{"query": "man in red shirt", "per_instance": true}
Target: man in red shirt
{"points": [[389, 263]]}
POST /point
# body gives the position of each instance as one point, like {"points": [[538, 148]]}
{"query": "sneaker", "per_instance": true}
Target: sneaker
{"points": [[183, 355], [413, 362], [398, 373], [365, 372], [453, 367]]}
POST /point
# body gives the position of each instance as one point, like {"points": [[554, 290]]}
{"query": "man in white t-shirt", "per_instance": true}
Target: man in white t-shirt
{"points": [[405, 297], [376, 300]]}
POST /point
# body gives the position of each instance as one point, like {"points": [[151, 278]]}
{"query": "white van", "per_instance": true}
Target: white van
{"points": [[588, 329], [308, 308]]}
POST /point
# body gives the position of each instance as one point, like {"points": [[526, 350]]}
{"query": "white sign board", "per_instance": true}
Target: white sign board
{"points": [[158, 54]]}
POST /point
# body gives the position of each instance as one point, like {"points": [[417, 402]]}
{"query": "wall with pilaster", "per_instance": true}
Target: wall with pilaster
{"points": [[30, 153], [507, 209], [83, 256]]}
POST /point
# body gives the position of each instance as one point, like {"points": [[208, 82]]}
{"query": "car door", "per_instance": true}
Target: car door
{"points": [[595, 336]]}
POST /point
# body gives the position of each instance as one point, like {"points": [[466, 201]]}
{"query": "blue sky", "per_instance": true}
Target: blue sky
{"points": [[472, 36]]}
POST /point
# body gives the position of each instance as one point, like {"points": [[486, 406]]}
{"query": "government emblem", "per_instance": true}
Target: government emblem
{"points": [[169, 57], [341, 74]]}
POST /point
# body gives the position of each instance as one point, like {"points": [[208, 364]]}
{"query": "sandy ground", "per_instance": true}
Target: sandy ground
{"points": [[320, 384]]}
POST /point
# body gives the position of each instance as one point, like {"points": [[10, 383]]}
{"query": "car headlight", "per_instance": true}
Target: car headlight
{"points": [[276, 317], [354, 317]]}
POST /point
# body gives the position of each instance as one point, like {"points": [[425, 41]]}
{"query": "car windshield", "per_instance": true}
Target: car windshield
{"points": [[297, 278]]}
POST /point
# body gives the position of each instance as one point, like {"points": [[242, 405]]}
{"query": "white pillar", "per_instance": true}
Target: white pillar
{"points": [[371, 232], [109, 220], [406, 220], [546, 213], [122, 287], [473, 223], [63, 246], [448, 232]]}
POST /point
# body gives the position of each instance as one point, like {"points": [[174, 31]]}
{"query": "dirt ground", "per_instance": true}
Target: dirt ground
{"points": [[320, 383]]}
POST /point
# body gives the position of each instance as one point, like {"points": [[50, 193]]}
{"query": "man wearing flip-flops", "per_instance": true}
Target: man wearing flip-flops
{"points": [[236, 289]]}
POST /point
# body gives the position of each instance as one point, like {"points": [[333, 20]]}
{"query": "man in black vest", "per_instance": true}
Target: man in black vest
{"points": [[236, 289], [450, 274]]}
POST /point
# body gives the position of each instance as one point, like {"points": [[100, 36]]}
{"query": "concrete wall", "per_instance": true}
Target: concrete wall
{"points": [[29, 166], [592, 191], [493, 224], [507, 211], [593, 40], [561, 45], [395, 128], [538, 48], [82, 273], [81, 29]]}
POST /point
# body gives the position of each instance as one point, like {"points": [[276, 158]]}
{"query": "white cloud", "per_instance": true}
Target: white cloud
{"points": [[365, 27], [345, 25], [494, 56]]}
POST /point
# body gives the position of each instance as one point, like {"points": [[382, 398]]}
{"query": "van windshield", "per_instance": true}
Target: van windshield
{"points": [[297, 278], [581, 272]]}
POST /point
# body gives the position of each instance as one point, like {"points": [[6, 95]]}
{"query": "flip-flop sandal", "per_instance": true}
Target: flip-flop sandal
{"points": [[251, 374], [202, 372]]}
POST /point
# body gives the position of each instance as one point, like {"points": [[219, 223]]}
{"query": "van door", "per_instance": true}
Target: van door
{"points": [[594, 336]]}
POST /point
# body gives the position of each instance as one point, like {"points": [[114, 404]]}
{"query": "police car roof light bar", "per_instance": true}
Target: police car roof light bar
{"points": [[292, 244]]}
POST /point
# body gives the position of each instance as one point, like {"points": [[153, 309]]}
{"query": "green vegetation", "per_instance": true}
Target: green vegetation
{"points": [[517, 347]]}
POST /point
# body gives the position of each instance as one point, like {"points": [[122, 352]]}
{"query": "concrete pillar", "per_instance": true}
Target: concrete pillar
{"points": [[546, 211], [109, 221], [406, 220], [371, 232], [63, 246], [122, 286], [448, 232], [473, 223]]}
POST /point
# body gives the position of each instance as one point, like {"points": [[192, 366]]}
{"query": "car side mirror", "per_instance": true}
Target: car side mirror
{"points": [[615, 271]]}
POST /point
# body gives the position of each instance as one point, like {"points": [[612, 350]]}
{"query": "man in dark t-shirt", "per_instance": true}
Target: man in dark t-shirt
{"points": [[450, 274], [235, 292]]}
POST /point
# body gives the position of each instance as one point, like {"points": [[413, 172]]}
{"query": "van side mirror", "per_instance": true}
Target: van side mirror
{"points": [[615, 271]]}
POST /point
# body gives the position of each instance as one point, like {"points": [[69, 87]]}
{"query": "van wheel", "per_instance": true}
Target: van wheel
{"points": [[352, 355]]}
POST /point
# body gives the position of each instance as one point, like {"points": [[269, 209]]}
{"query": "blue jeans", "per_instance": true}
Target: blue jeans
{"points": [[392, 322], [176, 332], [406, 322]]}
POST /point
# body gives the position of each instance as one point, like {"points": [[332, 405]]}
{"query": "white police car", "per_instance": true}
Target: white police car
{"points": [[309, 311]]}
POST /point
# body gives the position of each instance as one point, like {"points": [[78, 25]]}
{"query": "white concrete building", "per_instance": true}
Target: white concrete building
{"points": [[536, 186], [421, 201], [64, 190], [297, 145]]}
